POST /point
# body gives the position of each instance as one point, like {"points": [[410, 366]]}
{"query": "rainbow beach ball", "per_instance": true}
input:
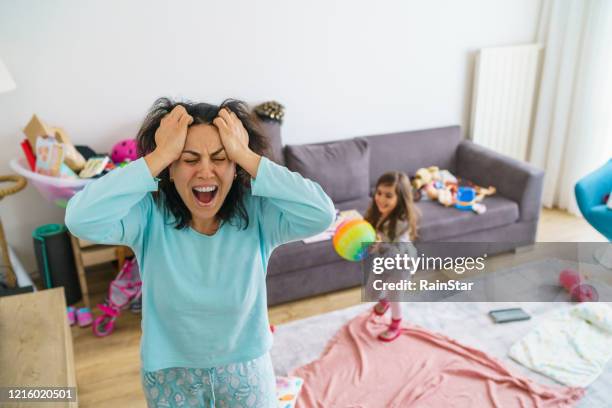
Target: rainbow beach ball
{"points": [[349, 239]]}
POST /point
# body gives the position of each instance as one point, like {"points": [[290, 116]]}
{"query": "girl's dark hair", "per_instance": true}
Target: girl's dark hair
{"points": [[167, 198], [405, 209]]}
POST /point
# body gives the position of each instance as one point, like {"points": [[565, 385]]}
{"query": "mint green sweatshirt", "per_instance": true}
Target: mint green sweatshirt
{"points": [[204, 297]]}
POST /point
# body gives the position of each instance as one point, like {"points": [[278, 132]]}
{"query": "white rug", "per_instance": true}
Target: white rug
{"points": [[297, 343]]}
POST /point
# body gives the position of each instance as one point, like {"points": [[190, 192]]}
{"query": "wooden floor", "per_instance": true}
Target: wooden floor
{"points": [[107, 368]]}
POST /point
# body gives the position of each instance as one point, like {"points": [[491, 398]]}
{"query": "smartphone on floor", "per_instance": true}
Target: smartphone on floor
{"points": [[509, 315]]}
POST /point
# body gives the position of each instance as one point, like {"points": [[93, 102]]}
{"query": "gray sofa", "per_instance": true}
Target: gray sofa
{"points": [[348, 170]]}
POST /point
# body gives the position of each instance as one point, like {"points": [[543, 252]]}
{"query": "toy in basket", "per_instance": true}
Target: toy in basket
{"points": [[57, 168], [125, 289]]}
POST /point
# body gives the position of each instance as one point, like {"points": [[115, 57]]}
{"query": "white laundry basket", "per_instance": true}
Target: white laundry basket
{"points": [[56, 190]]}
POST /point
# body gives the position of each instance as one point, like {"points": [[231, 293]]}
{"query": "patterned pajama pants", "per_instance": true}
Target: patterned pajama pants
{"points": [[249, 384]]}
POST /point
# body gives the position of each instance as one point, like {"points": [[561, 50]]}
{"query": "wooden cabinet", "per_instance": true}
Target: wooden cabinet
{"points": [[36, 344]]}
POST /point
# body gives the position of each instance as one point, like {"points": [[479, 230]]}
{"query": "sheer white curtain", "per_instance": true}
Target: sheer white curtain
{"points": [[573, 121]]}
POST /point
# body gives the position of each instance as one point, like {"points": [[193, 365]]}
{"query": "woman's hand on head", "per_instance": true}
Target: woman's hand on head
{"points": [[172, 132], [169, 140], [233, 135], [235, 141]]}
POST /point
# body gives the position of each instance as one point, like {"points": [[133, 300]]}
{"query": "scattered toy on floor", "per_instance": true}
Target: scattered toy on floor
{"points": [[123, 290], [84, 317], [579, 291]]}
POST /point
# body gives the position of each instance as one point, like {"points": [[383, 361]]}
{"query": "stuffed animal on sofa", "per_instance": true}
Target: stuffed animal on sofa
{"points": [[441, 186], [447, 196], [438, 185], [482, 192], [432, 180], [425, 176]]}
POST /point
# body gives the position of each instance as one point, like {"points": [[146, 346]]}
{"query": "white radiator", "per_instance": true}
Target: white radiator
{"points": [[503, 98]]}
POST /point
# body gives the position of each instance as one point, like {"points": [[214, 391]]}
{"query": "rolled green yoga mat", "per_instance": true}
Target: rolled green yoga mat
{"points": [[55, 260]]}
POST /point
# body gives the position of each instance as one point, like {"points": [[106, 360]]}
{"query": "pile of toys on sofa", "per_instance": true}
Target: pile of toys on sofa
{"points": [[50, 152], [442, 186]]}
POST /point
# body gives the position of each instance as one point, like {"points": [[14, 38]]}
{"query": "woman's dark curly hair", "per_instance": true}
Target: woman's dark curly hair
{"points": [[168, 198]]}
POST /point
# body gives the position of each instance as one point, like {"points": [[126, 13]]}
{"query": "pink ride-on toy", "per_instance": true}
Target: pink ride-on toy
{"points": [[123, 290]]}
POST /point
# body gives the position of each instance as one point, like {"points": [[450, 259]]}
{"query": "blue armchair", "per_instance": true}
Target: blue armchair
{"points": [[590, 192]]}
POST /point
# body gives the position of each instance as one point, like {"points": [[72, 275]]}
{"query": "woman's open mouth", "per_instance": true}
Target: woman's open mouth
{"points": [[205, 195]]}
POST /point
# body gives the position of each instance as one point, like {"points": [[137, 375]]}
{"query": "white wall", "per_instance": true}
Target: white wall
{"points": [[341, 68]]}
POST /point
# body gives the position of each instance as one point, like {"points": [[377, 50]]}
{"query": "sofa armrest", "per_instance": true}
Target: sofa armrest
{"points": [[516, 180]]}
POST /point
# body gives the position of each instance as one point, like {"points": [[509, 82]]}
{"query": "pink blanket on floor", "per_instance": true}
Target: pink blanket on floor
{"points": [[418, 369]]}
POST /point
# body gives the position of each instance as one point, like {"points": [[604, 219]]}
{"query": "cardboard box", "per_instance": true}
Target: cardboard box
{"points": [[35, 128]]}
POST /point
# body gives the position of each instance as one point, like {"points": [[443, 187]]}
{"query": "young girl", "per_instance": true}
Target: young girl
{"points": [[202, 210], [395, 218]]}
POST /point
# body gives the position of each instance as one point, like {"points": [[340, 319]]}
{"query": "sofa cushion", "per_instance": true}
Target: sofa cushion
{"points": [[439, 222], [272, 130], [341, 168], [408, 151]]}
